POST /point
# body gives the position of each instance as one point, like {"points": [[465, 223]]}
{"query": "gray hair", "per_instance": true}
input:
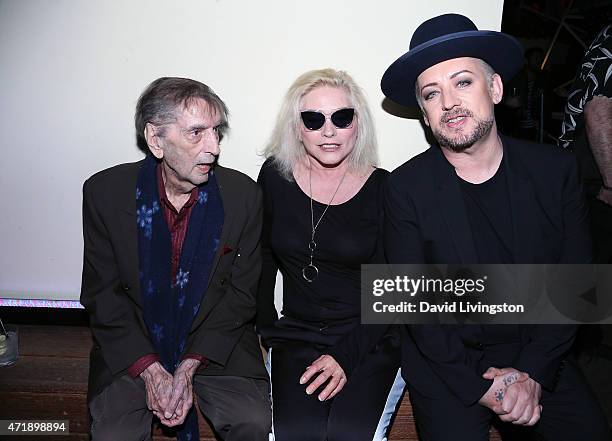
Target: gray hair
{"points": [[487, 70], [285, 145], [163, 97]]}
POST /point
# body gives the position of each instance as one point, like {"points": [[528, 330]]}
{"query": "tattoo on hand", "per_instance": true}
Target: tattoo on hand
{"points": [[499, 395], [511, 378]]}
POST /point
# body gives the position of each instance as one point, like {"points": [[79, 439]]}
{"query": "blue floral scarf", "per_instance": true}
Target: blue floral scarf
{"points": [[171, 305]]}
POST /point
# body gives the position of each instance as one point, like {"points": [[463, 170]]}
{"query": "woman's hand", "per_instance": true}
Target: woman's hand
{"points": [[321, 370]]}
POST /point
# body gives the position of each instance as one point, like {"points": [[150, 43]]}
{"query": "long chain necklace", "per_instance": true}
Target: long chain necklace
{"points": [[310, 272]]}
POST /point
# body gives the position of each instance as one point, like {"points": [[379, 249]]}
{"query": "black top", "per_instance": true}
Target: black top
{"points": [[426, 221], [349, 235], [488, 208]]}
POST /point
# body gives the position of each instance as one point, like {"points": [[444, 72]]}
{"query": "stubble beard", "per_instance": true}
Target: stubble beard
{"points": [[463, 141]]}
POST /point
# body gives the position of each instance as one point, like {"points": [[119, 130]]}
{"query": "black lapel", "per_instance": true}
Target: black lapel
{"points": [[523, 205], [452, 208], [129, 231], [211, 296], [228, 217]]}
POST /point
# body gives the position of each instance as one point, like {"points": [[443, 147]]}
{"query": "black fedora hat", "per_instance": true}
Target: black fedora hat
{"points": [[443, 38]]}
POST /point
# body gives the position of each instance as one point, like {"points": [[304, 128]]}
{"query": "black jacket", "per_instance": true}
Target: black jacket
{"points": [[110, 290], [426, 222]]}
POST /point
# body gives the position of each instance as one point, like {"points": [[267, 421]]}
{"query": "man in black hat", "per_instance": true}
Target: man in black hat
{"points": [[479, 197]]}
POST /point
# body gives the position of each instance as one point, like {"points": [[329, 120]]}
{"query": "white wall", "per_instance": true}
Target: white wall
{"points": [[71, 71]]}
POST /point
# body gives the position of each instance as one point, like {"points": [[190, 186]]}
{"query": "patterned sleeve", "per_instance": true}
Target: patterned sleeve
{"points": [[594, 78]]}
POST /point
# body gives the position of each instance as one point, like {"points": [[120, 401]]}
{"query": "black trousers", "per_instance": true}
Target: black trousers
{"points": [[570, 413], [237, 407], [601, 230], [352, 415]]}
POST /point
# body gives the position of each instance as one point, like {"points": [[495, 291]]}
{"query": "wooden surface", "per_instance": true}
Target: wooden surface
{"points": [[49, 381]]}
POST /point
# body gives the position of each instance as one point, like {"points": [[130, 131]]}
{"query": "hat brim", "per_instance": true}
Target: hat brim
{"points": [[502, 52]]}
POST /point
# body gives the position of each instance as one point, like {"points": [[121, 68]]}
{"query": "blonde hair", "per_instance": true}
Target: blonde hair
{"points": [[285, 146]]}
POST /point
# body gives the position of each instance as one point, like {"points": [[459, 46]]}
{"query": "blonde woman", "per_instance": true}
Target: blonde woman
{"points": [[322, 220]]}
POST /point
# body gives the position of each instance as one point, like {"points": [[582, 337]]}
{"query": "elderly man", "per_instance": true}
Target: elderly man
{"points": [[479, 197], [171, 264]]}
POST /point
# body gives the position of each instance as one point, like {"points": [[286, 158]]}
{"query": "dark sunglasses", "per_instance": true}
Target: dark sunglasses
{"points": [[341, 118]]}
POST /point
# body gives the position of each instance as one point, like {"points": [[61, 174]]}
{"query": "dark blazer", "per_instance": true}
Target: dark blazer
{"points": [[110, 290], [426, 222]]}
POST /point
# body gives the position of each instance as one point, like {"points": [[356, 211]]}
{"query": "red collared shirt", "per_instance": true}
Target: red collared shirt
{"points": [[177, 221]]}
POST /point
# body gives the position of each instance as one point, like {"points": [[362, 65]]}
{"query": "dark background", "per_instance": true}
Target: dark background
{"points": [[563, 29]]}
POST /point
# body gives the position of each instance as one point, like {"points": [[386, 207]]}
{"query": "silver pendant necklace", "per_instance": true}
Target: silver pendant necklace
{"points": [[310, 272]]}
